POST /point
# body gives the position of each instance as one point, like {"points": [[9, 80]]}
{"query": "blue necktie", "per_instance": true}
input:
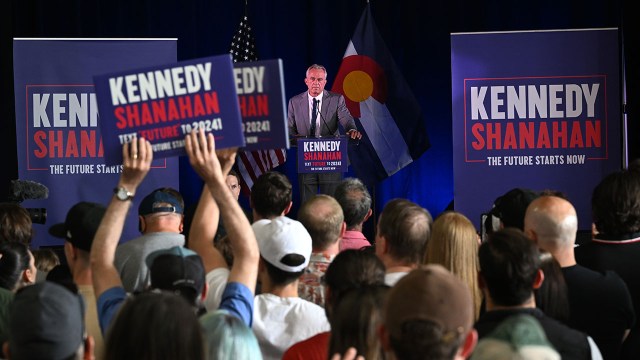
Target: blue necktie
{"points": [[314, 115]]}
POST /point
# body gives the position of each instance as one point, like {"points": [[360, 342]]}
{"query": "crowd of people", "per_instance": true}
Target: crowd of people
{"points": [[314, 287], [216, 281]]}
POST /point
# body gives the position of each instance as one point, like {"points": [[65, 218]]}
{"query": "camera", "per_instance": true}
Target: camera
{"points": [[30, 190], [37, 215]]}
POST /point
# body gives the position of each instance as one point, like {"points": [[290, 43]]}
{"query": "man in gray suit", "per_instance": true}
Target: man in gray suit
{"points": [[327, 109]]}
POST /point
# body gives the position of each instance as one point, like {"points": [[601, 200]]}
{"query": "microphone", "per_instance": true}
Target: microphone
{"points": [[30, 190], [27, 190]]}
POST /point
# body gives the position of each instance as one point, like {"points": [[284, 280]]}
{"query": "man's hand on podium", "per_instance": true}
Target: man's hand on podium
{"points": [[354, 134]]}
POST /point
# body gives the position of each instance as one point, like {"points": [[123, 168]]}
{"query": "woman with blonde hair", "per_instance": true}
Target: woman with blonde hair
{"points": [[454, 244]]}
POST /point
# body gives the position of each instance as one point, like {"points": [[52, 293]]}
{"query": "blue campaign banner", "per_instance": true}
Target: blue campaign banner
{"points": [[164, 103], [58, 127], [537, 110], [321, 155], [260, 88]]}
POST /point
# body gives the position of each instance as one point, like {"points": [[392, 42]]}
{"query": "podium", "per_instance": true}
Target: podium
{"points": [[322, 155]]}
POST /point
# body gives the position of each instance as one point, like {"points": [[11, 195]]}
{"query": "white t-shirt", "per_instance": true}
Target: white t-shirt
{"points": [[217, 280], [280, 322], [392, 278]]}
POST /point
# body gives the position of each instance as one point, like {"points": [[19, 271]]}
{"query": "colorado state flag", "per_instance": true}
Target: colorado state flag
{"points": [[379, 98]]}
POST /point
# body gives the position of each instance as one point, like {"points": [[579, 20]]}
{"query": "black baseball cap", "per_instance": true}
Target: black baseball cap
{"points": [[511, 207], [81, 225], [175, 268]]}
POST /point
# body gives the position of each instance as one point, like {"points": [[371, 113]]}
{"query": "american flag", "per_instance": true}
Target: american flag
{"points": [[252, 164]]}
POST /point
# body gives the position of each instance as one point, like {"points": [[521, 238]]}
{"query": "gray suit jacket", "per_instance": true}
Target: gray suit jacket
{"points": [[333, 110]]}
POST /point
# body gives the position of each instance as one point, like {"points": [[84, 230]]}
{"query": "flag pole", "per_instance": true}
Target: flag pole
{"points": [[625, 130], [251, 164]]}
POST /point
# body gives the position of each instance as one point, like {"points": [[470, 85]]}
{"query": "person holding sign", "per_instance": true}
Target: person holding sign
{"points": [[316, 113]]}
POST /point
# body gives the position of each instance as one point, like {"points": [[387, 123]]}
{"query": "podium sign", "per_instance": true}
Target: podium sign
{"points": [[322, 155]]}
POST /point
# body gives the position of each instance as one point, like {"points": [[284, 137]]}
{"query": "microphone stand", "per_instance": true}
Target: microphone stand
{"points": [[327, 126]]}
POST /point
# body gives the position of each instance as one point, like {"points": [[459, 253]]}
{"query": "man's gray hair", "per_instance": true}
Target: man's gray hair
{"points": [[355, 200], [317, 67]]}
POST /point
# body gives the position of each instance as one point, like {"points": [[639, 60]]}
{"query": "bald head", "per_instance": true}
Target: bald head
{"points": [[322, 216], [552, 222]]}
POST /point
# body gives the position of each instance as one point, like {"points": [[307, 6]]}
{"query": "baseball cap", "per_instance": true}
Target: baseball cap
{"points": [[430, 293], [518, 337], [154, 203], [280, 237], [81, 224], [174, 268], [511, 207], [46, 322]]}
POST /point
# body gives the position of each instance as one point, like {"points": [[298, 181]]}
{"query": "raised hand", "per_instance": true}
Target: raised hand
{"points": [[208, 162], [201, 151], [227, 158], [137, 156]]}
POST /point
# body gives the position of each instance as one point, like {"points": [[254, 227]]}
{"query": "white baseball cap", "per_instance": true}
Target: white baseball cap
{"points": [[280, 237]]}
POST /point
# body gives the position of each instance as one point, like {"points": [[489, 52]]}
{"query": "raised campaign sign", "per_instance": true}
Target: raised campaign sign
{"points": [[164, 103], [260, 88]]}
